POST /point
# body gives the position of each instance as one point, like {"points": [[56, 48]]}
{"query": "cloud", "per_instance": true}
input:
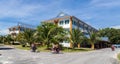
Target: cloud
{"points": [[17, 8], [5, 26], [105, 3], [4, 32], [25, 9], [13, 11], [116, 27], [95, 12]]}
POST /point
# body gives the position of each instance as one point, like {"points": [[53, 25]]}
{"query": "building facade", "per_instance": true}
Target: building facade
{"points": [[69, 23], [20, 27]]}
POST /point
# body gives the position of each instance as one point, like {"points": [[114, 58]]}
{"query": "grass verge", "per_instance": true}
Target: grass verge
{"points": [[20, 47], [43, 48], [118, 56], [77, 49]]}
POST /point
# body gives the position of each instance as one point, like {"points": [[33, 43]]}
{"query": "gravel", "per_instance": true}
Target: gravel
{"points": [[16, 56]]}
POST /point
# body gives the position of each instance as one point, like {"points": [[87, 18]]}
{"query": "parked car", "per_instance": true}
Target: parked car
{"points": [[116, 45]]}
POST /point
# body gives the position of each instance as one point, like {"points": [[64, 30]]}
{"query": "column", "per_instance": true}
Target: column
{"points": [[71, 45]]}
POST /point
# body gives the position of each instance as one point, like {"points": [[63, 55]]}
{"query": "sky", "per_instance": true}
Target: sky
{"points": [[97, 13]]}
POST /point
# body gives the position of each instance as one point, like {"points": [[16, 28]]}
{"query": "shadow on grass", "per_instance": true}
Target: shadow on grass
{"points": [[6, 48], [82, 49]]}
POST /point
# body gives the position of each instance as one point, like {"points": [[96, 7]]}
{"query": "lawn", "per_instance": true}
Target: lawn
{"points": [[118, 56], [20, 47], [43, 48], [76, 49]]}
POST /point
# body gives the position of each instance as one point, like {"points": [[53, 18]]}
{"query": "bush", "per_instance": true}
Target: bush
{"points": [[61, 46]]}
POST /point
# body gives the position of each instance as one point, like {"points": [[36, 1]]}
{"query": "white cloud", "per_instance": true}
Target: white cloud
{"points": [[16, 8], [4, 32], [105, 3], [24, 10], [116, 27]]}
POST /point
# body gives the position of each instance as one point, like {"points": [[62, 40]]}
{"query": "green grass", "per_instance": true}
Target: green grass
{"points": [[1, 44], [29, 48], [43, 49], [118, 56], [20, 47], [76, 50]]}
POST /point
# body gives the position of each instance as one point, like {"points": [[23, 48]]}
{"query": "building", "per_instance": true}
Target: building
{"points": [[69, 22], [20, 27]]}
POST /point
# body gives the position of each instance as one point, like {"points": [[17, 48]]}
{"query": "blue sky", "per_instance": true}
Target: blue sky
{"points": [[98, 13]]}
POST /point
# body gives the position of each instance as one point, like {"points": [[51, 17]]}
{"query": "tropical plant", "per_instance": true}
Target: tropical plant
{"points": [[112, 34], [1, 39], [93, 38], [26, 37], [50, 33], [76, 37], [6, 39], [20, 38], [9, 39]]}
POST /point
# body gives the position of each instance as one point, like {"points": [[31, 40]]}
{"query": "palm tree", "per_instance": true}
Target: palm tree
{"points": [[50, 33], [1, 39], [26, 37], [93, 38], [9, 39], [20, 38], [76, 37], [29, 36], [5, 39]]}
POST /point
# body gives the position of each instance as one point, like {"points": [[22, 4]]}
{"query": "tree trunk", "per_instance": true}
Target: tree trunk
{"points": [[71, 45], [48, 45], [78, 45], [92, 46]]}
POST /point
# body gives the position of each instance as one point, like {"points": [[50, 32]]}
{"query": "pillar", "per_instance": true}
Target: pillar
{"points": [[71, 45]]}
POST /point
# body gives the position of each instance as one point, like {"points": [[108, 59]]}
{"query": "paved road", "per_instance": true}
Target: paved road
{"points": [[16, 56]]}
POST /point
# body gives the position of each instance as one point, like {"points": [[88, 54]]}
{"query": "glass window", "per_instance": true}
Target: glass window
{"points": [[61, 22], [21, 29], [16, 29], [80, 27], [66, 21], [74, 22]]}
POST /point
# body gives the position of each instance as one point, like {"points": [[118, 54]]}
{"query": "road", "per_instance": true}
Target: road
{"points": [[17, 56]]}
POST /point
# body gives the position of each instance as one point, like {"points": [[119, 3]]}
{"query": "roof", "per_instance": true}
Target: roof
{"points": [[60, 15], [63, 15], [22, 25]]}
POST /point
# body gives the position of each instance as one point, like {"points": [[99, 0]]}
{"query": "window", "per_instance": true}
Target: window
{"points": [[66, 21], [61, 22], [16, 28], [81, 27], [21, 29], [74, 23]]}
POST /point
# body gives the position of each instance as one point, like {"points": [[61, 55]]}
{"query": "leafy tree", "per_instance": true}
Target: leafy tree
{"points": [[1, 39], [50, 33], [9, 39], [20, 38], [112, 34], [26, 37], [76, 37], [6, 39], [93, 38]]}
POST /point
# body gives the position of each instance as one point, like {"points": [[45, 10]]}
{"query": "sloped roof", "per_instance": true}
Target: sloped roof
{"points": [[62, 14]]}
